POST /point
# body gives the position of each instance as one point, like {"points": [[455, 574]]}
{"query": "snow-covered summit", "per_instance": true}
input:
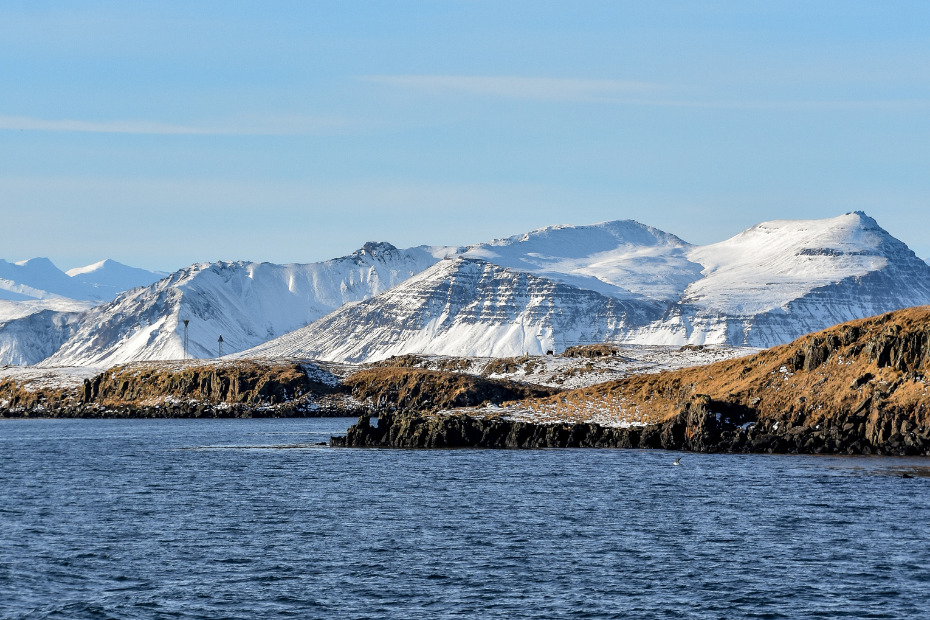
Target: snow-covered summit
{"points": [[469, 306], [621, 281], [629, 283], [36, 278], [623, 258], [773, 263]]}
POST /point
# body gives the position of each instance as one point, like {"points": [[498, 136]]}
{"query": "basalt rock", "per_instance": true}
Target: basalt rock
{"points": [[463, 431], [703, 425]]}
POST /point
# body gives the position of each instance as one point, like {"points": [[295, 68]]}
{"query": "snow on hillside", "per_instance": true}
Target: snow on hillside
{"points": [[623, 259], [467, 307], [36, 278], [245, 303], [10, 310], [547, 289], [30, 339]]}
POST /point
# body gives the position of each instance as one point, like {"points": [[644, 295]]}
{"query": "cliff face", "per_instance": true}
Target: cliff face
{"points": [[179, 389], [245, 389]]}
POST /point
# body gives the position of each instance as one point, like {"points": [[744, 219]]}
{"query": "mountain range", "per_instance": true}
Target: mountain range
{"points": [[619, 281]]}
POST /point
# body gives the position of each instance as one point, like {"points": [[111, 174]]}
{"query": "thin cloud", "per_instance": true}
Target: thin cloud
{"points": [[618, 92], [262, 127], [515, 87]]}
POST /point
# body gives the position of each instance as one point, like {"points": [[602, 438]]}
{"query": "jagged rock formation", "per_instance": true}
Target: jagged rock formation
{"points": [[413, 389]]}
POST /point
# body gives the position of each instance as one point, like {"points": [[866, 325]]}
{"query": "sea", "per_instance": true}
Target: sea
{"points": [[255, 519]]}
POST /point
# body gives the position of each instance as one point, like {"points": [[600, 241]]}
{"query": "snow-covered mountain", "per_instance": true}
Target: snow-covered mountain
{"points": [[245, 303], [765, 286], [466, 306], [39, 278], [547, 289]]}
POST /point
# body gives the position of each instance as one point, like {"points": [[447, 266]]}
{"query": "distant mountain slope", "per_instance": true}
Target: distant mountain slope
{"points": [[39, 278], [780, 280], [765, 286], [774, 263], [547, 289], [108, 278], [11, 310], [245, 303]]}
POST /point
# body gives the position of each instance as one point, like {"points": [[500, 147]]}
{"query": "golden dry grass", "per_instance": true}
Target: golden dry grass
{"points": [[881, 357]]}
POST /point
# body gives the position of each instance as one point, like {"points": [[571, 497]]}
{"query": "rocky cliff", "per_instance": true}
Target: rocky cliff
{"points": [[255, 389]]}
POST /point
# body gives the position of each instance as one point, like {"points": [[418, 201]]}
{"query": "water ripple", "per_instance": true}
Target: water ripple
{"points": [[251, 518]]}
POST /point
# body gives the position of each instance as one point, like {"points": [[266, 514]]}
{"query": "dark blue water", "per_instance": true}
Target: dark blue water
{"points": [[246, 519]]}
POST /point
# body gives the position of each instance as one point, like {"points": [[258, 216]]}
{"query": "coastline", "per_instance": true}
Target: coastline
{"points": [[697, 429]]}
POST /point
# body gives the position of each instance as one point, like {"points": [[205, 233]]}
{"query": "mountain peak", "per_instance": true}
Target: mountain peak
{"points": [[37, 263], [375, 249], [103, 264]]}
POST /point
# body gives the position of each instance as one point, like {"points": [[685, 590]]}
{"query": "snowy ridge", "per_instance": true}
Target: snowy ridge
{"points": [[774, 263], [245, 303], [30, 339], [108, 278]]}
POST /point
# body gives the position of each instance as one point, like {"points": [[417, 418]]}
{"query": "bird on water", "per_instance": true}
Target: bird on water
{"points": [[677, 461]]}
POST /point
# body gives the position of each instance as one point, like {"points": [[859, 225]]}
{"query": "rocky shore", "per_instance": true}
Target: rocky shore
{"points": [[700, 428]]}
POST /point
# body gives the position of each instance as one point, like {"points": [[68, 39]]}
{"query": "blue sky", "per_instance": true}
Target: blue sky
{"points": [[162, 134]]}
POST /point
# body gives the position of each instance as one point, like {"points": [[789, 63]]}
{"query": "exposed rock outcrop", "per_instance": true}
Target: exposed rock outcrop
{"points": [[259, 389]]}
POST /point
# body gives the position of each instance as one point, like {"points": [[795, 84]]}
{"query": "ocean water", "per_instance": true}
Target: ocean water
{"points": [[250, 519]]}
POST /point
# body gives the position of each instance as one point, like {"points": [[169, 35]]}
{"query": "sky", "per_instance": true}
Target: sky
{"points": [[163, 134]]}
